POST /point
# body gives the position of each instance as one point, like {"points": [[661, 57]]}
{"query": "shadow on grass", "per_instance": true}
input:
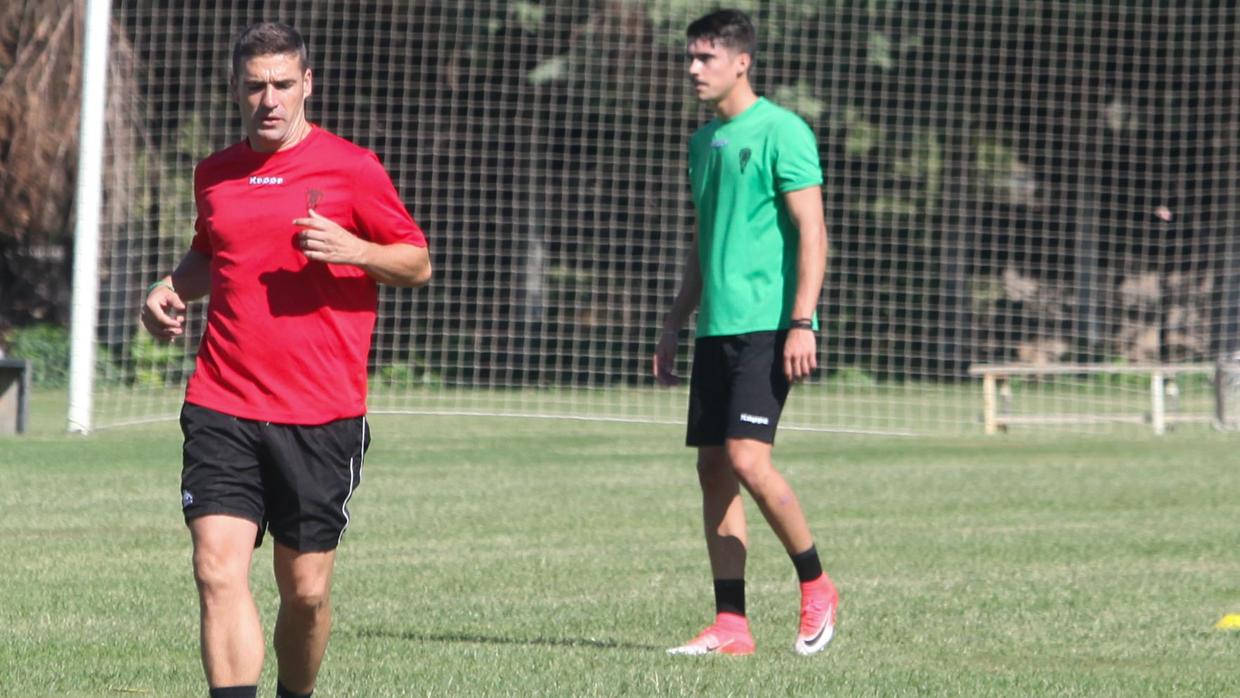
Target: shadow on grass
{"points": [[367, 634]]}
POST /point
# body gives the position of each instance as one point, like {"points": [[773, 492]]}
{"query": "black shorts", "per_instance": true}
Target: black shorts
{"points": [[294, 480], [738, 388]]}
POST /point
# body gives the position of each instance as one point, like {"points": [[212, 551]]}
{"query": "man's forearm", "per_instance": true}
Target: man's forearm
{"points": [[398, 264], [192, 278], [689, 294]]}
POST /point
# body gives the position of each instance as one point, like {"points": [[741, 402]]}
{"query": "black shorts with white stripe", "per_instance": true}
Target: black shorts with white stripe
{"points": [[293, 480]]}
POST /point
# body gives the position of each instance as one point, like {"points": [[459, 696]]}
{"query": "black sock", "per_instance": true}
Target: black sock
{"points": [[809, 567], [234, 692], [282, 692], [730, 596]]}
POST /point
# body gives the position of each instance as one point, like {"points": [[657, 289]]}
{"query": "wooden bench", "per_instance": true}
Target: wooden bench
{"points": [[14, 395], [996, 395]]}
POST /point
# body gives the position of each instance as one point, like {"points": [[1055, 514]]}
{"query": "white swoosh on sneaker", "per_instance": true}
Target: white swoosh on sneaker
{"points": [[698, 650]]}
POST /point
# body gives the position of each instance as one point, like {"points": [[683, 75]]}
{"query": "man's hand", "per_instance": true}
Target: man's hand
{"points": [[163, 313], [665, 358], [322, 240], [800, 354]]}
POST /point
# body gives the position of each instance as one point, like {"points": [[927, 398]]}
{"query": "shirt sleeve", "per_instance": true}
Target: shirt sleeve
{"points": [[202, 239], [378, 212], [796, 157]]}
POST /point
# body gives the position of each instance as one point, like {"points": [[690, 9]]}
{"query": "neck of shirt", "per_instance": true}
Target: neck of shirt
{"points": [[311, 129]]}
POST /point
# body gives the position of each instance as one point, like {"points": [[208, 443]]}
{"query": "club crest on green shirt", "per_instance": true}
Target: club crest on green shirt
{"points": [[746, 153]]}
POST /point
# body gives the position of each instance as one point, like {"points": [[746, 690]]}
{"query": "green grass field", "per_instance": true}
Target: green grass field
{"points": [[522, 557]]}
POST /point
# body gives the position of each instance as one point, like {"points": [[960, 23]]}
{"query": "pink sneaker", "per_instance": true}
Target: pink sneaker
{"points": [[819, 602], [729, 634]]}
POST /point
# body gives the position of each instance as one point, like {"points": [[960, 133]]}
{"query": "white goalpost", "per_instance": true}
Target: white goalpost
{"points": [[88, 204], [1031, 205]]}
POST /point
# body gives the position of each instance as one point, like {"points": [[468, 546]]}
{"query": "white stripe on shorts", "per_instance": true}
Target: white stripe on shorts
{"points": [[353, 476]]}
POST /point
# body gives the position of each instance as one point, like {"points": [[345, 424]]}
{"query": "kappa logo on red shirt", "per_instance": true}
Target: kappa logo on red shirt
{"points": [[266, 180]]}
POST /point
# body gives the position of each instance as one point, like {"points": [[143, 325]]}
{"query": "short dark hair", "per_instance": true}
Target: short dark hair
{"points": [[731, 28], [268, 39]]}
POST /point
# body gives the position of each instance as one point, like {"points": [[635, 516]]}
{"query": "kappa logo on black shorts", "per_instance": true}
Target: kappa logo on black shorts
{"points": [[755, 419], [187, 498]]}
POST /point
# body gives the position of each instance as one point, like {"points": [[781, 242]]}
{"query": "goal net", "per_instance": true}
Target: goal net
{"points": [[1035, 182]]}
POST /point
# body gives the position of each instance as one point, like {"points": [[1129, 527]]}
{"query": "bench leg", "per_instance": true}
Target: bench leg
{"points": [[1158, 407], [989, 404]]}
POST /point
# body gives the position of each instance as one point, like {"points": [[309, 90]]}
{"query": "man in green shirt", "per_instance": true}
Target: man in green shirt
{"points": [[754, 272]]}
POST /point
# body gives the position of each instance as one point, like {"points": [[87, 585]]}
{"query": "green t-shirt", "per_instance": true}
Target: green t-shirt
{"points": [[747, 242]]}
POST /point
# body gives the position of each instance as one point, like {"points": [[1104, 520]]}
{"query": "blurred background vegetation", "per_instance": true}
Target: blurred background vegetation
{"points": [[1040, 181]]}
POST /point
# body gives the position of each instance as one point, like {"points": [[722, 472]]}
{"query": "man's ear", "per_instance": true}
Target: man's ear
{"points": [[743, 61], [309, 83]]}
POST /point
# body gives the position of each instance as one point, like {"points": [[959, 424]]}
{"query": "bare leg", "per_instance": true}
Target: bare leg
{"points": [[751, 463], [723, 514], [231, 635], [305, 619]]}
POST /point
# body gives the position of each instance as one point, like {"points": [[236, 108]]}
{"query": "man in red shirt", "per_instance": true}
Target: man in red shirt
{"points": [[295, 228]]}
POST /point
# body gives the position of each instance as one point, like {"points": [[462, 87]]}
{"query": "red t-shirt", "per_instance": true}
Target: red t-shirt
{"points": [[287, 338]]}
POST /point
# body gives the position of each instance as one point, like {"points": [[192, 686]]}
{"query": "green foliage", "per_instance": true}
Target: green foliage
{"points": [[916, 164], [800, 98], [570, 279], [671, 17], [1003, 171], [528, 15], [879, 51], [173, 170], [922, 164], [192, 145], [156, 364], [1139, 382], [47, 346], [994, 158], [1196, 382], [1106, 383], [400, 377], [550, 70], [886, 208], [861, 137], [853, 378], [985, 292], [882, 51]]}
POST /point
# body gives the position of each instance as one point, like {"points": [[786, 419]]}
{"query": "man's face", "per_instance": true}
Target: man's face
{"points": [[271, 92], [714, 69]]}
